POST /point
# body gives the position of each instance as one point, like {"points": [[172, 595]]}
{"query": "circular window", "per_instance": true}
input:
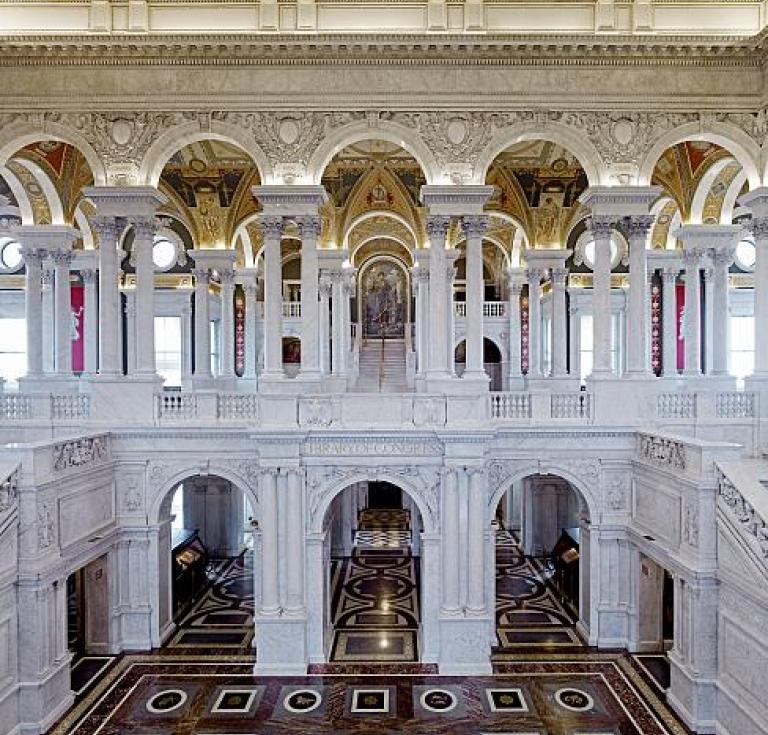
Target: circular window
{"points": [[745, 255], [10, 254], [163, 253], [589, 254]]}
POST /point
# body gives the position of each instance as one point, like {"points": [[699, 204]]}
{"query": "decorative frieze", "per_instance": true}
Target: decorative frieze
{"points": [[80, 452], [662, 451]]}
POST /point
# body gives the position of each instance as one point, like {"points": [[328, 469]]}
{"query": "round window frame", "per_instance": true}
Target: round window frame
{"points": [[739, 262], [620, 255], [5, 241]]}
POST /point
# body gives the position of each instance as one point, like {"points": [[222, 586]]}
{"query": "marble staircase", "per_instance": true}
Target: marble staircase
{"points": [[382, 367]]}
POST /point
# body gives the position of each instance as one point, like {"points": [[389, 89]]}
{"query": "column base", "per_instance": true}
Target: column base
{"points": [[465, 646], [281, 646], [126, 398], [203, 382], [310, 380], [49, 383], [554, 385], [516, 383], [248, 384], [478, 378]]}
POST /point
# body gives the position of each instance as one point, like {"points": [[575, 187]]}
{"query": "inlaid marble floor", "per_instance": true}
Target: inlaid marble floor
{"points": [[214, 695], [222, 618], [529, 614]]}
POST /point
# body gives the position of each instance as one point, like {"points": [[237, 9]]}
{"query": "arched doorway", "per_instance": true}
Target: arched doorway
{"points": [[205, 565], [491, 361], [372, 575], [542, 565]]}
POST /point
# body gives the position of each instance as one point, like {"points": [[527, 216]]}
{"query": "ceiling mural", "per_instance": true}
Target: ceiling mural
{"points": [[681, 168], [539, 183], [7, 197], [209, 185]]}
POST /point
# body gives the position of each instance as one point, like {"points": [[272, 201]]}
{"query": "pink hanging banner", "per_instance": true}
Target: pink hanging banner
{"points": [[77, 294], [680, 293]]}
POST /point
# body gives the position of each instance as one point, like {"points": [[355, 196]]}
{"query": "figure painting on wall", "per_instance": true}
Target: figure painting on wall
{"points": [[384, 290]]}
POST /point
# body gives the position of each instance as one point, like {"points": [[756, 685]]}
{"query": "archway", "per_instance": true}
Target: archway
{"points": [[372, 574], [491, 361], [205, 550], [542, 564]]}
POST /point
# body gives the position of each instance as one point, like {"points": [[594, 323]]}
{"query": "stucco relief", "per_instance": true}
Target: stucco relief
{"points": [[615, 492], [456, 139], [46, 525], [80, 452]]}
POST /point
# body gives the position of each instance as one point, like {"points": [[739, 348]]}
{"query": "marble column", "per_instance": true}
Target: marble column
{"points": [[251, 329], [108, 229], [638, 227], [439, 337], [338, 323], [559, 323], [708, 319], [49, 318], [310, 355], [186, 341], [273, 298], [227, 281], [144, 296], [669, 321], [130, 326], [692, 319], [202, 323], [62, 258], [90, 330], [534, 275], [474, 228], [602, 229], [295, 543], [450, 310], [451, 541], [476, 540], [270, 591], [420, 279], [722, 260], [325, 287], [33, 308], [515, 279]]}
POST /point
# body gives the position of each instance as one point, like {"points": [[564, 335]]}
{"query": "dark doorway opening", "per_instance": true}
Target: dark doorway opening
{"points": [[384, 495]]}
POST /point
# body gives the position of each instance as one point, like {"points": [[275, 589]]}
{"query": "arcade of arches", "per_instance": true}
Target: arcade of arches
{"points": [[362, 382]]}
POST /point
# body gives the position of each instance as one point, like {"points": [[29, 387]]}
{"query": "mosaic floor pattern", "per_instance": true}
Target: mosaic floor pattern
{"points": [[529, 613], [222, 618], [206, 695], [375, 604]]}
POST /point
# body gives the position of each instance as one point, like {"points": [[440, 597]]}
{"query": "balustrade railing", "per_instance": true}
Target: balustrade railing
{"points": [[573, 405], [491, 309], [70, 406], [238, 406], [735, 405], [676, 406], [292, 309], [15, 406], [176, 406], [753, 521], [510, 406]]}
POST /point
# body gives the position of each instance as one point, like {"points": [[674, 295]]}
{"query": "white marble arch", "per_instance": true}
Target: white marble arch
{"points": [[386, 130], [25, 208], [176, 138], [573, 141], [20, 134], [159, 501], [363, 217], [703, 189], [518, 470], [319, 625], [43, 180], [735, 141]]}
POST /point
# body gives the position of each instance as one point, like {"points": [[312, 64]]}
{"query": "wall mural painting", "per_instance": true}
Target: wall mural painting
{"points": [[384, 300]]}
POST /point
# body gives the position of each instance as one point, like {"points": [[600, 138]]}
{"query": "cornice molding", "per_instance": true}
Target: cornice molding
{"points": [[404, 49]]}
